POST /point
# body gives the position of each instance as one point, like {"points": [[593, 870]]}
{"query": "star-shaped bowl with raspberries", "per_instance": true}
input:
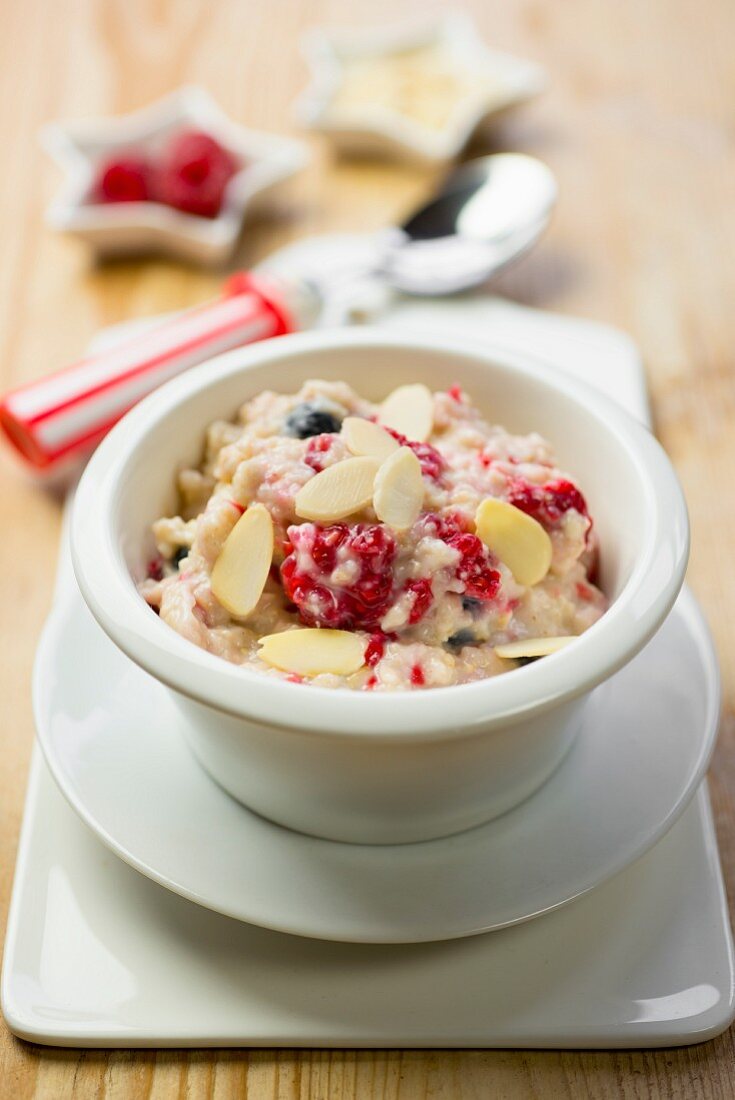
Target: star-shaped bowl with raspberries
{"points": [[177, 177]]}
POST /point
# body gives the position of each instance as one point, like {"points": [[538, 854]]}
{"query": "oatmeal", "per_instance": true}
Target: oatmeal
{"points": [[328, 540]]}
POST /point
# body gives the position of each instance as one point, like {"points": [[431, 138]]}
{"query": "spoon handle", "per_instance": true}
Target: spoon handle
{"points": [[62, 417]]}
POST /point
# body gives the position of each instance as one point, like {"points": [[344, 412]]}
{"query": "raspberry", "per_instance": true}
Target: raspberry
{"points": [[455, 392], [357, 606], [546, 503], [417, 676], [318, 445], [154, 569], [124, 181], [475, 567], [432, 463], [193, 174], [374, 650], [443, 527], [422, 599], [476, 564]]}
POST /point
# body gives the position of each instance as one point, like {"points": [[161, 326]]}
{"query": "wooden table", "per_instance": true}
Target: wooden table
{"points": [[638, 125]]}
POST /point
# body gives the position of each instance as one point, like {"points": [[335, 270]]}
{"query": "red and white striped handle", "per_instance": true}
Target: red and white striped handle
{"points": [[64, 416]]}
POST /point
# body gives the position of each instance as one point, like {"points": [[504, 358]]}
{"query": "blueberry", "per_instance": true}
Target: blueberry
{"points": [[461, 638], [307, 420], [469, 603], [181, 553]]}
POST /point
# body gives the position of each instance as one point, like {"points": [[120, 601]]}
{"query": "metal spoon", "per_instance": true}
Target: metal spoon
{"points": [[486, 214]]}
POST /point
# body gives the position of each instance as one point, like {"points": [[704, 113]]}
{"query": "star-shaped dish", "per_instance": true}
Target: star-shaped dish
{"points": [[418, 91], [80, 148]]}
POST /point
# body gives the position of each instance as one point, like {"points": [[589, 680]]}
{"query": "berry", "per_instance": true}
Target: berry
{"points": [[154, 569], [422, 599], [124, 181], [443, 527], [316, 448], [461, 638], [546, 503], [475, 568], [306, 420], [417, 676], [193, 174], [307, 571], [374, 650], [455, 392], [182, 553], [431, 462]]}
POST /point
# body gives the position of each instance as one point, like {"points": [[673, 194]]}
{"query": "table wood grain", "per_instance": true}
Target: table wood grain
{"points": [[639, 125]]}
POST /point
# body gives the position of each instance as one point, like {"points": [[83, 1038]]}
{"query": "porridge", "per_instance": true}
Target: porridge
{"points": [[328, 540]]}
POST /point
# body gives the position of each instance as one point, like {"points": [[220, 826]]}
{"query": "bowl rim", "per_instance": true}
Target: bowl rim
{"points": [[443, 712]]}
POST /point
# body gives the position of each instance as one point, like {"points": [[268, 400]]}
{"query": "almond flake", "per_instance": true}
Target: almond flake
{"points": [[533, 647], [399, 489], [338, 491], [311, 651], [241, 569], [363, 437], [410, 411], [516, 539]]}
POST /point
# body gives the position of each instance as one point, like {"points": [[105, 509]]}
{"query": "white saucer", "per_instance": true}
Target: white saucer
{"points": [[98, 956], [645, 748]]}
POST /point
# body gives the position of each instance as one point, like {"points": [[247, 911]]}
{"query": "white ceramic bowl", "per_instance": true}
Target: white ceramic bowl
{"points": [[401, 766]]}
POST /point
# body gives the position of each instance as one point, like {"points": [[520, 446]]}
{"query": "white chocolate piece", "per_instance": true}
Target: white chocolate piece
{"points": [[518, 540], [338, 491], [241, 568], [410, 411], [399, 490], [309, 652], [363, 437]]}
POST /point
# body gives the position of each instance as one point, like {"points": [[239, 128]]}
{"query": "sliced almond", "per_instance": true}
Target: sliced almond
{"points": [[241, 569], [533, 647], [399, 489], [311, 651], [363, 437], [410, 411], [517, 539], [338, 491]]}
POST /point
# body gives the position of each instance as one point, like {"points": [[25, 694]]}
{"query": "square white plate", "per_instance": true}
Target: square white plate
{"points": [[97, 955]]}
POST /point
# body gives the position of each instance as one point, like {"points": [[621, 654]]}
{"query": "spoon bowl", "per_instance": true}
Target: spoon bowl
{"points": [[487, 214]]}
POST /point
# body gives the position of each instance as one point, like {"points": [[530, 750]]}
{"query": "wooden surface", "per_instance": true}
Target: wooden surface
{"points": [[638, 124]]}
